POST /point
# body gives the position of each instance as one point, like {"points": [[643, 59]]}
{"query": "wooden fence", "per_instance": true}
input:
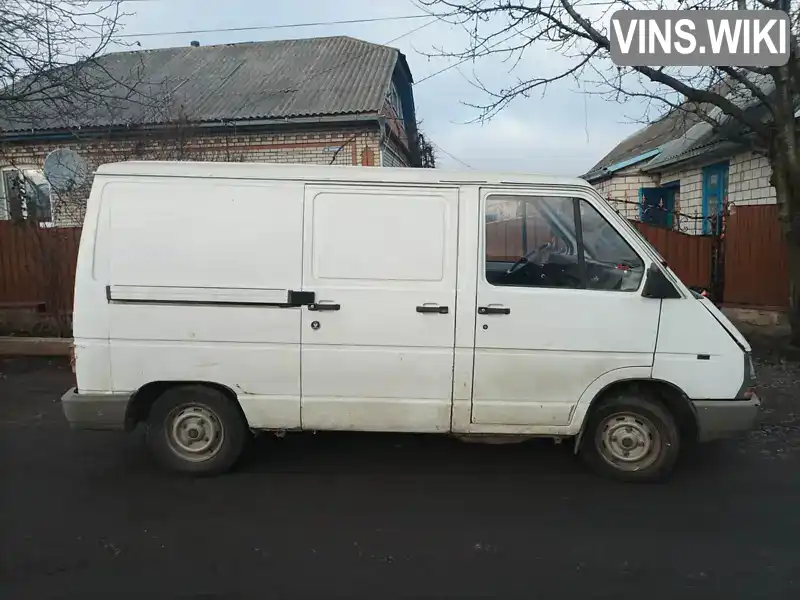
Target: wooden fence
{"points": [[504, 239], [756, 268], [688, 255], [37, 265]]}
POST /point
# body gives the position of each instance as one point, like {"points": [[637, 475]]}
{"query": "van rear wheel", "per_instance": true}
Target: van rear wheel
{"points": [[196, 429], [631, 437]]}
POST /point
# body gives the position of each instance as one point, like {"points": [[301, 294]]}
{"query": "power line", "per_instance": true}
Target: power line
{"points": [[310, 24], [463, 60], [263, 27], [352, 58], [432, 143], [516, 33], [455, 158], [120, 1], [576, 4], [362, 54], [432, 20]]}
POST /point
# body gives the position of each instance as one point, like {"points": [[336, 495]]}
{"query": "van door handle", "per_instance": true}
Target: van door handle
{"points": [[323, 306], [493, 310], [433, 308]]}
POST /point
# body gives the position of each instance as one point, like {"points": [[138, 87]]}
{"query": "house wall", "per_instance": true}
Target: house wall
{"points": [[392, 157], [689, 203], [346, 146], [748, 180], [748, 184], [622, 191]]}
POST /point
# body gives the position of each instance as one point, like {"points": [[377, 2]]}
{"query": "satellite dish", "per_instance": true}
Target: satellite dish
{"points": [[65, 169]]}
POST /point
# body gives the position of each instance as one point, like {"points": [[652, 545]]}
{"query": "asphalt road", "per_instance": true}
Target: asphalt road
{"points": [[85, 515]]}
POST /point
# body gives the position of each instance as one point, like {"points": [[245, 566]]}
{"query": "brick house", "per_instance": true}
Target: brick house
{"points": [[680, 164], [335, 100]]}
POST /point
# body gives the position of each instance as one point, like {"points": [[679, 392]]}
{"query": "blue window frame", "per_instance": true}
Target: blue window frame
{"points": [[715, 195], [657, 205]]}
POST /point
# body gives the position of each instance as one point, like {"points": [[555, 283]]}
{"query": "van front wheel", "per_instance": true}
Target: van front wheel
{"points": [[196, 429], [631, 437]]}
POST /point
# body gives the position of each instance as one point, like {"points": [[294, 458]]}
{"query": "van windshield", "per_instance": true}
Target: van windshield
{"points": [[600, 241], [654, 253], [627, 224]]}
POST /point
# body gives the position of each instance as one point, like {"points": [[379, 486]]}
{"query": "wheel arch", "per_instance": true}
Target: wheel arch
{"points": [[142, 400], [670, 395]]}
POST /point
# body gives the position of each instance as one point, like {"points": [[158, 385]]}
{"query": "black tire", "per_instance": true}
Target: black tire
{"points": [[207, 412], [608, 433]]}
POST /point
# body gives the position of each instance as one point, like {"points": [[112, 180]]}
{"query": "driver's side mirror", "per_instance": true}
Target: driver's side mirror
{"points": [[657, 285]]}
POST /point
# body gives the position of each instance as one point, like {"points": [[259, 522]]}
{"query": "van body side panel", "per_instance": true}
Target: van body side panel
{"points": [[533, 369], [590, 394], [90, 325], [382, 254], [198, 270], [695, 353]]}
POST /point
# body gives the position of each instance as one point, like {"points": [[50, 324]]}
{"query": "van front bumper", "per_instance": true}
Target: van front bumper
{"points": [[718, 419], [103, 412]]}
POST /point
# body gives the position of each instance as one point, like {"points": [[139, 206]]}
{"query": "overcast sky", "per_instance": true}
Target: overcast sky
{"points": [[565, 132]]}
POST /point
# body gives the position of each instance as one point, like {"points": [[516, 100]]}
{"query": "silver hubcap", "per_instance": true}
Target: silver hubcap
{"points": [[628, 442], [194, 432]]}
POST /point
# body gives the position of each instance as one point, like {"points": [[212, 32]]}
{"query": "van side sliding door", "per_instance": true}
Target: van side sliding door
{"points": [[377, 344]]}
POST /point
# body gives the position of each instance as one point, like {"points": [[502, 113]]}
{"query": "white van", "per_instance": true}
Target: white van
{"points": [[214, 300]]}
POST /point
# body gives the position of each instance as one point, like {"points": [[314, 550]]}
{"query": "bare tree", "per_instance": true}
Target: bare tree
{"points": [[55, 75], [50, 79], [753, 106], [49, 68], [427, 152]]}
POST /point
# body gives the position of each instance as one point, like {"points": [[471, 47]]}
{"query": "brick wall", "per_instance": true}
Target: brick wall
{"points": [[748, 184], [622, 191], [344, 147], [748, 180], [689, 202]]}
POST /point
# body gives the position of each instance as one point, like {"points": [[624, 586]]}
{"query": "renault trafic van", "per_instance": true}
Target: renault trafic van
{"points": [[215, 300]]}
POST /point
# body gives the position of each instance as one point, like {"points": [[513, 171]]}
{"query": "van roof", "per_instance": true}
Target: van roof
{"points": [[327, 173]]}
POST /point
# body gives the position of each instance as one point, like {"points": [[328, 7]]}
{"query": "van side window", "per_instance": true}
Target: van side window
{"points": [[533, 241]]}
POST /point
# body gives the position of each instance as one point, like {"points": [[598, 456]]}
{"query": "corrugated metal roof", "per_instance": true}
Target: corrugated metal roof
{"points": [[258, 80], [703, 138], [675, 125], [609, 170], [645, 141]]}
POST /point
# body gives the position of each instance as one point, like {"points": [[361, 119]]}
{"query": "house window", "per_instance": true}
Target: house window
{"points": [[393, 100], [25, 194], [657, 204]]}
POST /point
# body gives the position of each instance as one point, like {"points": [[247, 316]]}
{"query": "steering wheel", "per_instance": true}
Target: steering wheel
{"points": [[522, 260]]}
